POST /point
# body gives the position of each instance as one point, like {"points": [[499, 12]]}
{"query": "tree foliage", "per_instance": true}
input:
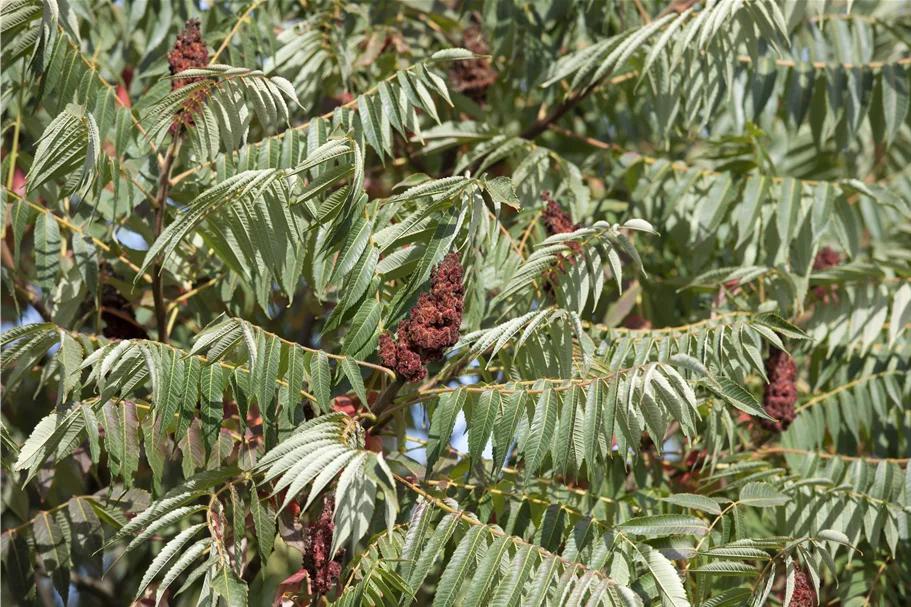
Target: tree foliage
{"points": [[589, 302]]}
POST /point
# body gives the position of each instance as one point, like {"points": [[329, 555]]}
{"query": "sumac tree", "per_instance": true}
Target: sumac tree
{"points": [[565, 302]]}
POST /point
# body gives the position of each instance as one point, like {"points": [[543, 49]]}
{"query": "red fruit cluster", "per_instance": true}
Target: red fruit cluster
{"points": [[330, 103], [432, 325], [688, 478], [190, 51], [804, 594], [473, 77], [322, 567], [118, 316], [636, 322], [826, 258], [780, 393], [116, 310], [123, 90], [556, 221]]}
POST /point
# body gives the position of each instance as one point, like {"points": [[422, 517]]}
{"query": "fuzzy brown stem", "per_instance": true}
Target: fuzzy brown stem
{"points": [[161, 209], [558, 111], [102, 591], [385, 399]]}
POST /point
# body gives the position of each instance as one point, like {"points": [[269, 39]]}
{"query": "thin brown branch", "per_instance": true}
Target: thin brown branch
{"points": [[161, 210], [868, 600], [557, 112], [592, 142], [847, 386], [642, 11], [528, 230], [385, 399], [677, 6], [821, 65], [574, 98], [243, 19], [122, 316], [192, 292]]}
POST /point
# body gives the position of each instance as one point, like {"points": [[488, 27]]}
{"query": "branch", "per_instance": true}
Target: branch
{"points": [[557, 112], [385, 399], [821, 397], [161, 210], [102, 590], [677, 6], [642, 11], [243, 19]]}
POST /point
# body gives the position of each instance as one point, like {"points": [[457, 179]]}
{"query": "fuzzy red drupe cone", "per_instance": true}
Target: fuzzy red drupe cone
{"points": [[826, 258], [123, 90], [804, 594], [780, 393], [688, 480], [190, 51], [432, 325], [636, 322], [557, 221], [116, 310], [322, 567], [473, 77]]}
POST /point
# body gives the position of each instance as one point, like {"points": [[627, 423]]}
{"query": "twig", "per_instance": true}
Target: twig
{"points": [[15, 147], [592, 142], [820, 65], [122, 316], [569, 103], [879, 573], [677, 6], [243, 19], [846, 386], [176, 302], [103, 591], [385, 399], [528, 230], [642, 12], [161, 210]]}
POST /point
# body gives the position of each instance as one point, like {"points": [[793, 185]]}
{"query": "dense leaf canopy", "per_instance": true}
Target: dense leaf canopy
{"points": [[456, 302]]}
